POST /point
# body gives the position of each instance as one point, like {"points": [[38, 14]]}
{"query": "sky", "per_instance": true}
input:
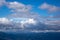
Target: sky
{"points": [[38, 13], [42, 7]]}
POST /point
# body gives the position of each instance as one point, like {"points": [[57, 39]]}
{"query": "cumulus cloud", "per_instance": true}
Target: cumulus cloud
{"points": [[23, 11], [52, 22], [2, 2], [25, 18], [28, 21], [41, 22], [4, 21], [19, 7], [50, 8]]}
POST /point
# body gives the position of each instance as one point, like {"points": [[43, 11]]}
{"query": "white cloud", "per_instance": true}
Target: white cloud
{"points": [[51, 22], [44, 31], [2, 2], [31, 21], [4, 21], [28, 21], [19, 7], [50, 8]]}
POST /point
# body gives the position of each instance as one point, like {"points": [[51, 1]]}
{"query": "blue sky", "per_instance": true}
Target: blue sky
{"points": [[36, 12], [4, 10]]}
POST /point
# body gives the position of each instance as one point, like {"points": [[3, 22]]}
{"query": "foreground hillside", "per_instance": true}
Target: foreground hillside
{"points": [[30, 36]]}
